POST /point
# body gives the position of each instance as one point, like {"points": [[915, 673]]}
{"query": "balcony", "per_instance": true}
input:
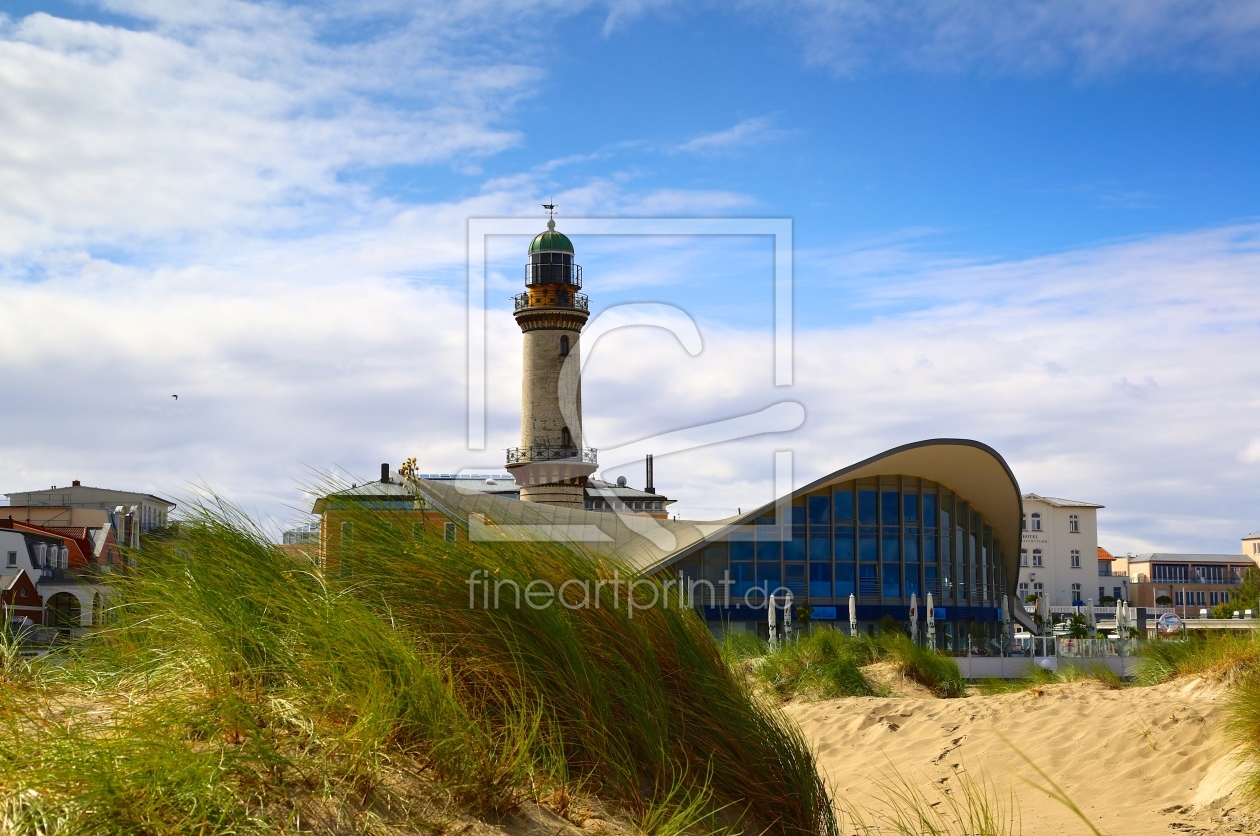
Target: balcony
{"points": [[551, 453], [546, 464], [561, 299], [566, 274]]}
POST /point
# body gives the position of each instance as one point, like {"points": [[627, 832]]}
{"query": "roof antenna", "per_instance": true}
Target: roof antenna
{"points": [[551, 213]]}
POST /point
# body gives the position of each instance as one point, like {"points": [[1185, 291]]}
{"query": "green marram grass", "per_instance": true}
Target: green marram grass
{"points": [[827, 663], [240, 690]]}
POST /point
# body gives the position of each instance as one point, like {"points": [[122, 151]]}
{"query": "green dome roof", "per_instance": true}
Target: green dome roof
{"points": [[551, 241]]}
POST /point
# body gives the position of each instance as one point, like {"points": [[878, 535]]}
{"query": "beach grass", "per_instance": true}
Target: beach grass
{"points": [[822, 665], [1217, 656], [242, 690], [1066, 672]]}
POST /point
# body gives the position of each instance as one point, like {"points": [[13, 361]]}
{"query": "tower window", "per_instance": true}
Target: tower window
{"points": [[566, 439], [564, 346]]}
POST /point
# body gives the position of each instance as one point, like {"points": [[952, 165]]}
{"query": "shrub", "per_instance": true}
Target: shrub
{"points": [[824, 665]]}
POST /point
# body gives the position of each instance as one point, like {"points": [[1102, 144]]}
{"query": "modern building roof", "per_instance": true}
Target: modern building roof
{"points": [[1060, 503], [599, 487], [1252, 535], [1168, 557], [551, 241], [75, 488]]}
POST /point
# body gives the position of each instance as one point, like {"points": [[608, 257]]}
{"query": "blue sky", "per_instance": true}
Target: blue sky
{"points": [[1031, 224]]}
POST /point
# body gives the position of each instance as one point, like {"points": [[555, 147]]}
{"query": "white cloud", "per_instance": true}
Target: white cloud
{"points": [[220, 117], [745, 134], [1252, 454], [1085, 36]]}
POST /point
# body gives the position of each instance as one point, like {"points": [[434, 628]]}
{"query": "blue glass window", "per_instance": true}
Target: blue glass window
{"points": [[769, 577], [910, 507], [844, 580], [868, 582], [741, 550], [868, 507], [892, 580], [892, 546], [797, 515], [912, 582], [843, 506], [794, 549], [929, 548], [929, 510], [929, 580], [891, 512], [820, 546], [741, 578], [768, 550], [912, 547], [868, 545], [845, 550], [820, 580], [820, 509], [794, 577]]}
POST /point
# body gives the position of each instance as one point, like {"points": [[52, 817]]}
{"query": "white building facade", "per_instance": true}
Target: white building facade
{"points": [[1251, 546], [1059, 556]]}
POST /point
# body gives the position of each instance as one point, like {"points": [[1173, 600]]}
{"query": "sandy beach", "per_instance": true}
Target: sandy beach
{"points": [[1136, 761]]}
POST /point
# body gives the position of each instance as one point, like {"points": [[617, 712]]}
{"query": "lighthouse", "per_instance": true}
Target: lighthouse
{"points": [[551, 465]]}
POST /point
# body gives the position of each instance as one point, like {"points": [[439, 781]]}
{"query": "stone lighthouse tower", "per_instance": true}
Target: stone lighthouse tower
{"points": [[551, 465]]}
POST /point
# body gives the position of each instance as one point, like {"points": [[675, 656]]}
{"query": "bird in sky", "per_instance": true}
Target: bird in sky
{"points": [[176, 397]]}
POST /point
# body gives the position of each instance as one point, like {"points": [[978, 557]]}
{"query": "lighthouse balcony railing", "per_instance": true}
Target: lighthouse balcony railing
{"points": [[573, 301], [551, 453], [565, 274]]}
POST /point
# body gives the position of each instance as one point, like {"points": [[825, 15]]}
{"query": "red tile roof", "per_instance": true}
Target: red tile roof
{"points": [[1103, 554]]}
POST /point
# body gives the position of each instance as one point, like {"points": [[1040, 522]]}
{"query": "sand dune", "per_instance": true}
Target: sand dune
{"points": [[1136, 761]]}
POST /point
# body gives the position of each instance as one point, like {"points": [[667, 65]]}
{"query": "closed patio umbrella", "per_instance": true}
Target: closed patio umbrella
{"points": [[930, 612], [853, 615], [773, 621], [914, 617]]}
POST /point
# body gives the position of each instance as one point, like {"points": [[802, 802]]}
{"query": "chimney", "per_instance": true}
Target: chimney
{"points": [[649, 488], [75, 483], [385, 473]]}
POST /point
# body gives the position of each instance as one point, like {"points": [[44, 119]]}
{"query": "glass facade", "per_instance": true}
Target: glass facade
{"points": [[882, 539]]}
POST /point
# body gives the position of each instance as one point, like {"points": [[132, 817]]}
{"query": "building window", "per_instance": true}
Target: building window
{"points": [[13, 558], [1023, 522], [1039, 588], [1076, 592], [660, 506], [564, 346], [1036, 522], [347, 535], [41, 552], [1023, 557], [1102, 591], [1023, 591], [1037, 557], [638, 506], [1076, 558], [22, 592], [448, 531], [566, 438], [1177, 598], [1074, 524]]}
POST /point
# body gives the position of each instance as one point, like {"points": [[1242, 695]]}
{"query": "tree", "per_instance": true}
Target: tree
{"points": [[1078, 627], [1106, 601], [1245, 597], [1030, 599], [1163, 601]]}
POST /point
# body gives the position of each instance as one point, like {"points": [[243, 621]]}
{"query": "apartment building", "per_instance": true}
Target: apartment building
{"points": [[1059, 557]]}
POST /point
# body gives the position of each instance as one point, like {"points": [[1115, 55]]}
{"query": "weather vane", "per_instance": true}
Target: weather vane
{"points": [[551, 210]]}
